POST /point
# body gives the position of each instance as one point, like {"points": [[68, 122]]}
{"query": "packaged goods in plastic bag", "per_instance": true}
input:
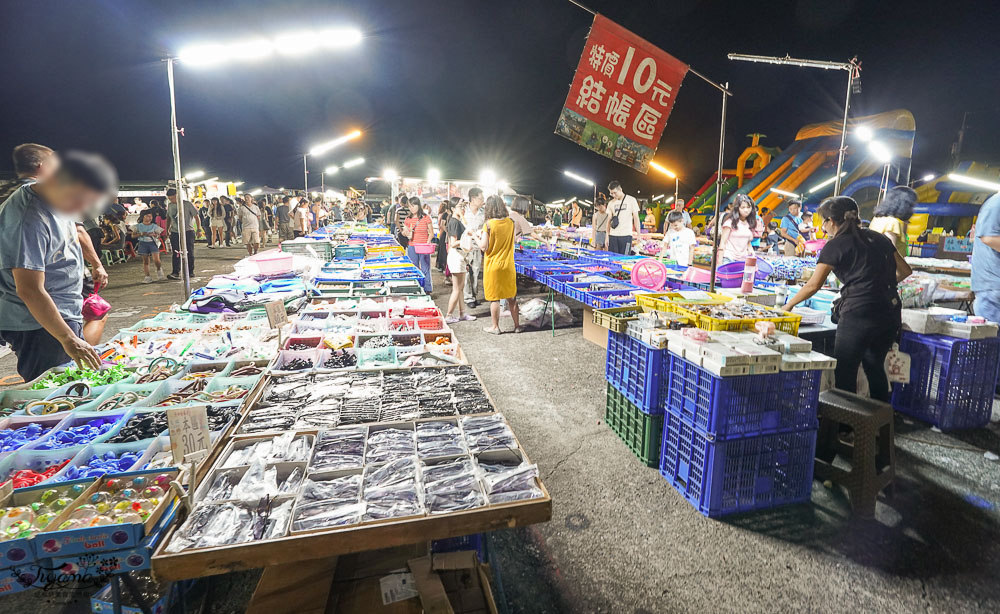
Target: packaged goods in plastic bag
{"points": [[344, 488], [537, 313], [339, 449], [325, 514]]}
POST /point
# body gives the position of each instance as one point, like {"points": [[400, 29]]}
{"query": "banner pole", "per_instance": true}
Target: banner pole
{"points": [[589, 10], [718, 186]]}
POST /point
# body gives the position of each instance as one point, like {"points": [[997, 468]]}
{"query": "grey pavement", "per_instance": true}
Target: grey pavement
{"points": [[622, 540]]}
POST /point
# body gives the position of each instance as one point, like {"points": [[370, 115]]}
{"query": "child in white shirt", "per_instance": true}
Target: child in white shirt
{"points": [[679, 241]]}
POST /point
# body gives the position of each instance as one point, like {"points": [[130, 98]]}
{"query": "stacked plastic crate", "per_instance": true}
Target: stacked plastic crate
{"points": [[636, 372], [739, 431], [954, 366]]}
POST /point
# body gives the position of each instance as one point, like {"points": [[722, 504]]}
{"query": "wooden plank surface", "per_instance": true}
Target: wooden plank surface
{"points": [[297, 548]]}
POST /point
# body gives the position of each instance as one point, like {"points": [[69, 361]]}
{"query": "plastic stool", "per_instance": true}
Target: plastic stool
{"points": [[872, 454]]}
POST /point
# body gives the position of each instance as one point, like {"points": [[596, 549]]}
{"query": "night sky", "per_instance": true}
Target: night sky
{"points": [[461, 85]]}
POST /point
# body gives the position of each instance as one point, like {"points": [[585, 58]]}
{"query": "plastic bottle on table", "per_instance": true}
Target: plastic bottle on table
{"points": [[749, 272]]}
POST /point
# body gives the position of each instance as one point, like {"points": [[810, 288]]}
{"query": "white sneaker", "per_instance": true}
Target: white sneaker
{"points": [[159, 275], [147, 279]]}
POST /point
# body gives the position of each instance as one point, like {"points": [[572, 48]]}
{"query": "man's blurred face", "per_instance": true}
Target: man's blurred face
{"points": [[618, 193], [73, 198]]}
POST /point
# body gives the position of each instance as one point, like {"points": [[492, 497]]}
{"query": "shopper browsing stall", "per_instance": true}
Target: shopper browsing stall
{"points": [[791, 229], [679, 241], [191, 226], [739, 229], [41, 265], [250, 217], [522, 227], [454, 230], [599, 224], [475, 217], [868, 312], [499, 277], [576, 215], [679, 206], [893, 214], [623, 225], [148, 247], [418, 230]]}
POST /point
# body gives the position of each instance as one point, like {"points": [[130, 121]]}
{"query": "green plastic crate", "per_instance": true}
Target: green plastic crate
{"points": [[641, 432]]}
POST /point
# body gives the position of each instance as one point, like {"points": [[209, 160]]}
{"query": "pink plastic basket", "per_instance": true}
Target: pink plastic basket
{"points": [[423, 248], [272, 262]]}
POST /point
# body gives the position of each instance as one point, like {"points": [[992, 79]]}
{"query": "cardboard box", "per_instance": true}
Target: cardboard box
{"points": [[964, 330], [928, 321], [377, 582], [598, 335], [453, 583]]}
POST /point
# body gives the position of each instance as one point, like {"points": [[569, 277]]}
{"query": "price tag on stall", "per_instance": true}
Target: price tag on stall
{"points": [[897, 366], [189, 432], [276, 314]]}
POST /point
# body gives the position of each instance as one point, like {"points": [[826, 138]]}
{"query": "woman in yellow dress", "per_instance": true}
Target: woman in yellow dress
{"points": [[499, 278]]}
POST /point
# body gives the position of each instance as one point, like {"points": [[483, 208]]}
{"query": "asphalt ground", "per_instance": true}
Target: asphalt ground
{"points": [[622, 540]]}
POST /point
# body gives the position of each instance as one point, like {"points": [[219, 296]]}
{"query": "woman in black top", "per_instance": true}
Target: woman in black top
{"points": [[868, 310]]}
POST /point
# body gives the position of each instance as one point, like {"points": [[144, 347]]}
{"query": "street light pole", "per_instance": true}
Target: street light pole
{"points": [[305, 174], [677, 186], [182, 246]]}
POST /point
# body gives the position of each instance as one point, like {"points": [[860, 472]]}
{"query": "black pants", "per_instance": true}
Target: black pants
{"points": [[864, 337], [619, 245], [175, 249], [37, 351]]}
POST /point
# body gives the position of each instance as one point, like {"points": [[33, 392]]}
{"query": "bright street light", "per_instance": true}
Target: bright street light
{"points": [[194, 175], [864, 133], [354, 162], [390, 175], [488, 177], [256, 192], [786, 193], [290, 44], [880, 151], [330, 170], [558, 202], [669, 173], [824, 183], [247, 50], [928, 177], [663, 169], [572, 175], [433, 175], [659, 197], [205, 180], [325, 147], [975, 181]]}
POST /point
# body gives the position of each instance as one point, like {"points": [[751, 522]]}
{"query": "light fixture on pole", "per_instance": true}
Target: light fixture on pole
{"points": [[822, 184], [583, 180], [991, 186], [238, 51], [928, 177], [669, 173], [786, 193], [194, 175], [322, 149], [433, 176], [853, 69], [256, 192], [659, 196]]}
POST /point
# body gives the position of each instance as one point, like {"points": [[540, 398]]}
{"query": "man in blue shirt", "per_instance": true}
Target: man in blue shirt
{"points": [[789, 227], [41, 264], [986, 260]]}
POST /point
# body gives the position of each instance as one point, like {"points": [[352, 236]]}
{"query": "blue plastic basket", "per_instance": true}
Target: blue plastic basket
{"points": [[636, 370], [738, 475], [952, 381], [729, 407]]}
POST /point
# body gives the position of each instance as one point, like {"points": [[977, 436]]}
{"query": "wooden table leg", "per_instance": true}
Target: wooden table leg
{"points": [[302, 588]]}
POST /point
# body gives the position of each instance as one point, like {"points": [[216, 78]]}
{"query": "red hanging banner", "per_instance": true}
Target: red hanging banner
{"points": [[622, 95]]}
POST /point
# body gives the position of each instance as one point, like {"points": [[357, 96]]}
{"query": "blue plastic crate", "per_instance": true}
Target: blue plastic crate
{"points": [[601, 299], [952, 381], [636, 370], [476, 541], [729, 407], [738, 475]]}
